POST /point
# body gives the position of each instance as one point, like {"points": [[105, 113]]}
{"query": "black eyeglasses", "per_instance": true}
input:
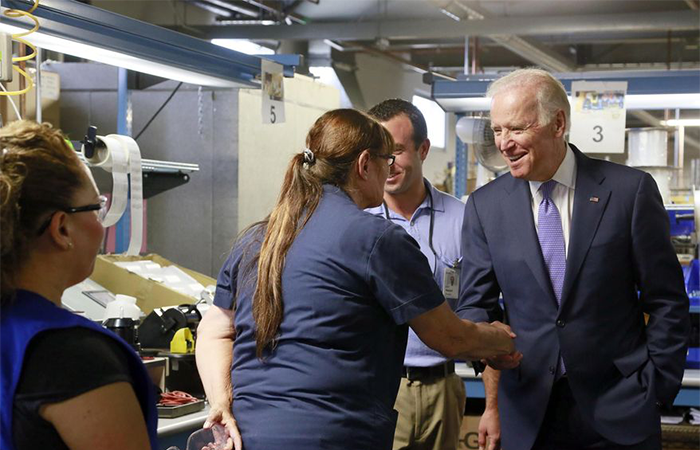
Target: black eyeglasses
{"points": [[389, 158], [101, 207]]}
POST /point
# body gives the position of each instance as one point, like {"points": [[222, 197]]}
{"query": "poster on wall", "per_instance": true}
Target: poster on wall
{"points": [[272, 92], [598, 116]]}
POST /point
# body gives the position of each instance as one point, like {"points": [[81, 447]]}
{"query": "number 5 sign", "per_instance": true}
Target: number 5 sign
{"points": [[272, 92], [598, 116]]}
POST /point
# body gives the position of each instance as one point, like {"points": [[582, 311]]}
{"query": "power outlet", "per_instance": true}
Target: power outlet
{"points": [[5, 57]]}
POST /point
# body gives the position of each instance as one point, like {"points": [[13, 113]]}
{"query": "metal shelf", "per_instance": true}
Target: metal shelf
{"points": [[153, 165], [158, 176]]}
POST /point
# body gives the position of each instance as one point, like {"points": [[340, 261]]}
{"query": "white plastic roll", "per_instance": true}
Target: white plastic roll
{"points": [[647, 147], [135, 177], [113, 157]]}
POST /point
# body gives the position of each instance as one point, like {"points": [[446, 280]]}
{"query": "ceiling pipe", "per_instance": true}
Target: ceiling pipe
{"points": [[375, 51], [437, 29], [531, 51]]}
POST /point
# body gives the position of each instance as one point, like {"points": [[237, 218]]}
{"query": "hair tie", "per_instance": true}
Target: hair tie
{"points": [[309, 158]]}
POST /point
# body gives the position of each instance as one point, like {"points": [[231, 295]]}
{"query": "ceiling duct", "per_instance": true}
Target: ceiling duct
{"points": [[531, 51]]}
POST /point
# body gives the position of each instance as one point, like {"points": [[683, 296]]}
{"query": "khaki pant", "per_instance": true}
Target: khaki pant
{"points": [[430, 413]]}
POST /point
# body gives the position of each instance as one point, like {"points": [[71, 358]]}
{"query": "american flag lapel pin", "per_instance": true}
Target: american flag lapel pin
{"points": [[593, 199]]}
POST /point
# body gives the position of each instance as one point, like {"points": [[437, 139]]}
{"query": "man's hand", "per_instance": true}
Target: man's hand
{"points": [[490, 427], [505, 327], [503, 362], [223, 417]]}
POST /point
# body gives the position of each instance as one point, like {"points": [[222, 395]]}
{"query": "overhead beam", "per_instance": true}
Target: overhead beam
{"points": [[128, 42], [433, 29], [535, 53], [532, 51]]}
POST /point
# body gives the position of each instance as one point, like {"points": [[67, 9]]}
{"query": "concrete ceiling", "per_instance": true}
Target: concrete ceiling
{"points": [[430, 35], [562, 35]]}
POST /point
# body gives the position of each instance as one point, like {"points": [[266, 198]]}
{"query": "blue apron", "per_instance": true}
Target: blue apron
{"points": [[28, 315]]}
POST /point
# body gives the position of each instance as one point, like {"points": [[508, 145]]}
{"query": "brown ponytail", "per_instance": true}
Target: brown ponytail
{"points": [[336, 140], [39, 173]]}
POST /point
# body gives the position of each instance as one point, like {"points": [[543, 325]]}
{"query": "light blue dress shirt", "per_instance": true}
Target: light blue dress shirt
{"points": [[447, 240]]}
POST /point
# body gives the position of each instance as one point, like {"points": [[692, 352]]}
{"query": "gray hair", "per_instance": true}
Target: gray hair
{"points": [[551, 95]]}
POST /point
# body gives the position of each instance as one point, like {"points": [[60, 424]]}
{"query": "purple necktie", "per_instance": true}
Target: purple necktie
{"points": [[551, 237]]}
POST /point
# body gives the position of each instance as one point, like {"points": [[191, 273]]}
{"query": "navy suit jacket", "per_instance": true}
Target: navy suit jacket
{"points": [[620, 264]]}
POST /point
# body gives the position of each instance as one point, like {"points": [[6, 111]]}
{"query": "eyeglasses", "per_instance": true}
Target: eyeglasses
{"points": [[100, 207], [390, 159]]}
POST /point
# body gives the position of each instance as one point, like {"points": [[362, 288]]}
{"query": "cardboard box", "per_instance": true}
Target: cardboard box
{"points": [[50, 99], [469, 433], [149, 294]]}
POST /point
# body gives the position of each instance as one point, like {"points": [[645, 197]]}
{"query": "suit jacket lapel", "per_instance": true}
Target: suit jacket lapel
{"points": [[585, 218], [522, 227]]}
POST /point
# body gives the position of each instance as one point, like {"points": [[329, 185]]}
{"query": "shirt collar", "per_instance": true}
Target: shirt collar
{"points": [[438, 204], [438, 200], [565, 174]]}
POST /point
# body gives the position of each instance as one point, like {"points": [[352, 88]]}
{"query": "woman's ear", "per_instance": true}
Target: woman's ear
{"points": [[363, 162], [60, 231]]}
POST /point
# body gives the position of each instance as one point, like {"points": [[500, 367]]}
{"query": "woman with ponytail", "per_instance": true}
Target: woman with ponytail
{"points": [[67, 383], [317, 298]]}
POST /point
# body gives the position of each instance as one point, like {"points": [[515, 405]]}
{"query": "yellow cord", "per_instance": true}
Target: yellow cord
{"points": [[18, 37]]}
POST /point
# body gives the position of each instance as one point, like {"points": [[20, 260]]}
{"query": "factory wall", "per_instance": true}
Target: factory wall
{"points": [[193, 224], [379, 79], [265, 150]]}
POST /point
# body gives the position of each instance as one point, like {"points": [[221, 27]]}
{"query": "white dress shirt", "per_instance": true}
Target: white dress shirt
{"points": [[562, 194]]}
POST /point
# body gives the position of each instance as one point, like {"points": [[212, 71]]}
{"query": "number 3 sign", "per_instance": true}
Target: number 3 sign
{"points": [[598, 116]]}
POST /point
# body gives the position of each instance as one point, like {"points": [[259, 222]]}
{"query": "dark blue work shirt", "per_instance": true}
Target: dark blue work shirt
{"points": [[350, 284]]}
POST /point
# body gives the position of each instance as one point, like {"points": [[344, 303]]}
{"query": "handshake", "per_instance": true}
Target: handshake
{"points": [[498, 346]]}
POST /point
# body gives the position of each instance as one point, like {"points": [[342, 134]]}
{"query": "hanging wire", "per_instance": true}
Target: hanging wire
{"points": [[15, 13]]}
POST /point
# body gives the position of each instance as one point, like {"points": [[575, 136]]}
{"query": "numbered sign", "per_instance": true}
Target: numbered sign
{"points": [[272, 92], [598, 116]]}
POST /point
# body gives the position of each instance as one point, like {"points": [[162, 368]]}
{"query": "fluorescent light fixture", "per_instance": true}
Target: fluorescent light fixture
{"points": [[681, 123], [243, 46], [435, 119], [632, 102], [247, 22], [662, 101], [80, 50], [450, 15]]}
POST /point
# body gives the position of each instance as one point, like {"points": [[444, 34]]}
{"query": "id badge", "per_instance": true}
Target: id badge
{"points": [[450, 283]]}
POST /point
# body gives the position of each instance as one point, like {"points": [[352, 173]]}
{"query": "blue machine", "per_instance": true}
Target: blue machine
{"points": [[682, 218]]}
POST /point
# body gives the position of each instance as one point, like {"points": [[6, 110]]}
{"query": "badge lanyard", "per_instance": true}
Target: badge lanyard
{"points": [[430, 229]]}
